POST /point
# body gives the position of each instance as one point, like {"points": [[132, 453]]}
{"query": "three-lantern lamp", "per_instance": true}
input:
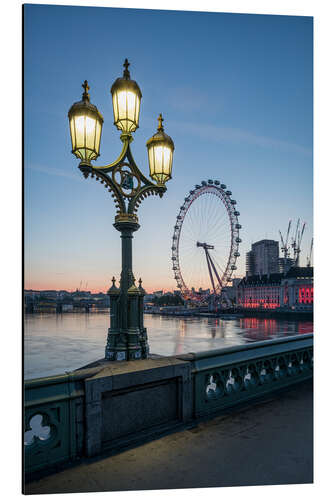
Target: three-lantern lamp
{"points": [[86, 123]]}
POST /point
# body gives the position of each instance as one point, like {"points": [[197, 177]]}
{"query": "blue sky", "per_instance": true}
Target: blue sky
{"points": [[236, 94]]}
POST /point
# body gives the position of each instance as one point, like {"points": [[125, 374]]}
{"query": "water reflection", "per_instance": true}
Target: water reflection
{"points": [[55, 343]]}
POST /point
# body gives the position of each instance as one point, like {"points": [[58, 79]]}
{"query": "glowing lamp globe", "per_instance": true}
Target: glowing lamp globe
{"points": [[160, 154], [126, 99], [85, 124]]}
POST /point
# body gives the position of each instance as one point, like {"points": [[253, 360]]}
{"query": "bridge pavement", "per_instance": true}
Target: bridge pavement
{"points": [[267, 443]]}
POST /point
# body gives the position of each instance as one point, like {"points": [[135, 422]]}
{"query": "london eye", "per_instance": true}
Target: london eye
{"points": [[205, 242]]}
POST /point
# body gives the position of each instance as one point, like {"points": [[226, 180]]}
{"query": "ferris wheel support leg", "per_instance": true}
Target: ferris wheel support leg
{"points": [[214, 269], [209, 269]]}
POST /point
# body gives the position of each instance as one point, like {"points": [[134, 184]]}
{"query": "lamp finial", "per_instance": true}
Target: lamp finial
{"points": [[85, 95], [160, 120], [126, 71]]}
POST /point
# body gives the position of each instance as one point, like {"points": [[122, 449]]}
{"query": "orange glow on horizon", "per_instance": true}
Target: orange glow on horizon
{"points": [[69, 287]]}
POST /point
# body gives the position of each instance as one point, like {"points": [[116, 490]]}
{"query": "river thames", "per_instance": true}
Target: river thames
{"points": [[55, 343]]}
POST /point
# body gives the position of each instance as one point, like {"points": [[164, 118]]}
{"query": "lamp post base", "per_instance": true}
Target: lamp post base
{"points": [[127, 345], [127, 337]]}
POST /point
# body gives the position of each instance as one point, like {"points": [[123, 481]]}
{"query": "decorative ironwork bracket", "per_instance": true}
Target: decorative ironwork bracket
{"points": [[124, 181]]}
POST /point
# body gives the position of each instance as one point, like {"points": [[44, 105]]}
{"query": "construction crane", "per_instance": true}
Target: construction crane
{"points": [[296, 244], [293, 242], [284, 247], [308, 263]]}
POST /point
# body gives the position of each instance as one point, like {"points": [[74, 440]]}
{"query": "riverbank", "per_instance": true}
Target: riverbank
{"points": [[239, 313]]}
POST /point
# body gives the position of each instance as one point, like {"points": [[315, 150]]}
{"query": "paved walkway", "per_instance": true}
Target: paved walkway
{"points": [[270, 443]]}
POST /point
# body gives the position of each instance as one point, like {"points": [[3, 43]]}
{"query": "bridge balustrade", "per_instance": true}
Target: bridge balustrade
{"points": [[56, 408]]}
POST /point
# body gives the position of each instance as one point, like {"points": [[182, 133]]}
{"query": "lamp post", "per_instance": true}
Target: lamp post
{"points": [[127, 337]]}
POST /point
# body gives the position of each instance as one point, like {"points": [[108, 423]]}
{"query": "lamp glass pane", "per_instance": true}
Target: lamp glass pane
{"points": [[137, 109], [162, 160], [90, 132], [126, 110], [98, 136], [115, 107], [72, 130], [151, 161], [80, 131], [131, 105]]}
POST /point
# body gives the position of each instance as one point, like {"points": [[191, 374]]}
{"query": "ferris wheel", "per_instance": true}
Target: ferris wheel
{"points": [[205, 241]]}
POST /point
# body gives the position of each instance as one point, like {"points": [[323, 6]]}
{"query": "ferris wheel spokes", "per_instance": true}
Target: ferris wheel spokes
{"points": [[205, 242]]}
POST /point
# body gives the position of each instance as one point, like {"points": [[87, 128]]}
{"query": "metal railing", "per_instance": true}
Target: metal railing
{"points": [[226, 377], [54, 420], [55, 407]]}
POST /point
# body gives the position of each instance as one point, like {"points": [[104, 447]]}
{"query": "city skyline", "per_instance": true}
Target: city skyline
{"points": [[236, 94]]}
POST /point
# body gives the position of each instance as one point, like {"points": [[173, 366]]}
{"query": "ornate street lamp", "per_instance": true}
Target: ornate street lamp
{"points": [[127, 337], [85, 122], [160, 154]]}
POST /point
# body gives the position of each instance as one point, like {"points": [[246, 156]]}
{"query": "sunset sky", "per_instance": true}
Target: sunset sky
{"points": [[236, 94]]}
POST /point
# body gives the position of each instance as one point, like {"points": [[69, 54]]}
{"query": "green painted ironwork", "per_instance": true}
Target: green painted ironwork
{"points": [[221, 379], [127, 336], [226, 377], [54, 420]]}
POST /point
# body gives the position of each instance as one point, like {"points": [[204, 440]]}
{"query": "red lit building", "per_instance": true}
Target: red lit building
{"points": [[293, 289]]}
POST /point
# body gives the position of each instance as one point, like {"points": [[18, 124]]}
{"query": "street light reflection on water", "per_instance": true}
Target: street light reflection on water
{"points": [[55, 343]]}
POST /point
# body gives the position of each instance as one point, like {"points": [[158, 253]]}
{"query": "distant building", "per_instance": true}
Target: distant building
{"points": [[230, 292], [31, 293], [293, 289], [158, 293], [263, 258], [285, 264], [148, 297], [49, 294]]}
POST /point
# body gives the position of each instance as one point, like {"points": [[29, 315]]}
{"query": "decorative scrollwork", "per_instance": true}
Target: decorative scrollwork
{"points": [[126, 179], [125, 182], [234, 381], [251, 378], [214, 386], [257, 375], [266, 373], [38, 430]]}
